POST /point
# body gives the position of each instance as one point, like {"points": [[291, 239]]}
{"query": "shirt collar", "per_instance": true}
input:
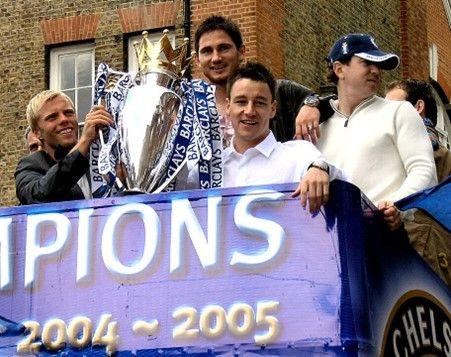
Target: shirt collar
{"points": [[362, 104], [265, 148]]}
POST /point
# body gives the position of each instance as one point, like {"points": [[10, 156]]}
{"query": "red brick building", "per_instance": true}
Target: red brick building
{"points": [[59, 44], [425, 49]]}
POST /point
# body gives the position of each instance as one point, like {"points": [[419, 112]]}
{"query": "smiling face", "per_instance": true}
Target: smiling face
{"points": [[218, 56], [359, 77], [250, 109], [57, 124]]}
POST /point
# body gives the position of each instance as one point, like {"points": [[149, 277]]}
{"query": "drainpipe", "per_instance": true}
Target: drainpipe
{"points": [[187, 28]]}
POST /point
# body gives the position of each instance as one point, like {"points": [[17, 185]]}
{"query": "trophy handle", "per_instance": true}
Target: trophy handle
{"points": [[165, 184]]}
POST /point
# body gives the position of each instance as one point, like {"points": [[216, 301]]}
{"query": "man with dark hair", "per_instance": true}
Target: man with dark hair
{"points": [[429, 238], [57, 172], [219, 51], [381, 145], [254, 157], [419, 94], [256, 72], [219, 23]]}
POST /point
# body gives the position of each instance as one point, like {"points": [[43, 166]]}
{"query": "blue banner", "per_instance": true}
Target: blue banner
{"points": [[216, 272]]}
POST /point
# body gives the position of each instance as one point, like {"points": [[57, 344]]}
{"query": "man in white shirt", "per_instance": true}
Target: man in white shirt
{"points": [[381, 145], [254, 157]]}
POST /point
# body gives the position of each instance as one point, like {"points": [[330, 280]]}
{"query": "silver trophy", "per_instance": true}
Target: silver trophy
{"points": [[149, 113]]}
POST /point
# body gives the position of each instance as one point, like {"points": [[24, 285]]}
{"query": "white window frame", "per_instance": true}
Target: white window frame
{"points": [[433, 61], [443, 125], [153, 37], [447, 6], [55, 73]]}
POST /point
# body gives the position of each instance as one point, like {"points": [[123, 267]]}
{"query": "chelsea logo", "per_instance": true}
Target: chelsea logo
{"points": [[344, 48], [419, 325]]}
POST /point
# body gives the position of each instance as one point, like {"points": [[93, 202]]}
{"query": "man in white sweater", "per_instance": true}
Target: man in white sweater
{"points": [[382, 146]]}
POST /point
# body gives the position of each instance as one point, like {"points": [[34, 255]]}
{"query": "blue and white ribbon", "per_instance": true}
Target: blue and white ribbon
{"points": [[210, 168], [195, 137], [105, 151]]}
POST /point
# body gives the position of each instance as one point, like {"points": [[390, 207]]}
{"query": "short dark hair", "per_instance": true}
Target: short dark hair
{"points": [[418, 90], [254, 71], [331, 76], [213, 23]]}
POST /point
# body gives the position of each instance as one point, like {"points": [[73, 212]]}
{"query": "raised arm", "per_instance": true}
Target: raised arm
{"points": [[298, 110]]}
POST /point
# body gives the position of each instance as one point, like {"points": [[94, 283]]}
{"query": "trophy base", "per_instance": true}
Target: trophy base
{"points": [[130, 193]]}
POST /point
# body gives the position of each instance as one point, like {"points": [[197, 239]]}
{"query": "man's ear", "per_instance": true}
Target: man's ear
{"points": [[337, 67], [420, 107], [273, 108], [37, 132], [242, 52], [196, 59], [227, 106]]}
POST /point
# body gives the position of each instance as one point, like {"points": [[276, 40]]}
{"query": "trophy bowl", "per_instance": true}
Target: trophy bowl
{"points": [[144, 106], [147, 118]]}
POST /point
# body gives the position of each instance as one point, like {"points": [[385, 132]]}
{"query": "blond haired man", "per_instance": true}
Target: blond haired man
{"points": [[57, 172]]}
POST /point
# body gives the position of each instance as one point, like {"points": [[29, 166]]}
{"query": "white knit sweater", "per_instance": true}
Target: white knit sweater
{"points": [[382, 147]]}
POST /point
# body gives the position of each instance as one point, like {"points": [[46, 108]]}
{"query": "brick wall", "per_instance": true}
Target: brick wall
{"points": [[26, 27], [311, 27], [439, 32], [69, 29], [270, 44], [414, 50]]}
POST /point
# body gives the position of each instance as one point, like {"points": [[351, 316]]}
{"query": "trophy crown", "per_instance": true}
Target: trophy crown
{"points": [[161, 55]]}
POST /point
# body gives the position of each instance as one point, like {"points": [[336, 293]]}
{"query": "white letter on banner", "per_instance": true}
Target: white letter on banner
{"points": [[151, 236], [5, 253], [33, 249], [84, 243], [183, 215], [246, 223]]}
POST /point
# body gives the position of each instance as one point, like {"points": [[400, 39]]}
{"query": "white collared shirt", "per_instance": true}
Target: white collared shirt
{"points": [[269, 162]]}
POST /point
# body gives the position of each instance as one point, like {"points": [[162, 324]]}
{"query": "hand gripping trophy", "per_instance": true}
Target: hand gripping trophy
{"points": [[163, 122]]}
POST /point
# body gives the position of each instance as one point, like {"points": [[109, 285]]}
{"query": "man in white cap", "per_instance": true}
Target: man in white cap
{"points": [[382, 146]]}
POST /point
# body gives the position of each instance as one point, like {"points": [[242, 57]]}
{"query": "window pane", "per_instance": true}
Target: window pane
{"points": [[84, 103], [71, 70], [67, 68], [84, 70], [70, 94]]}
